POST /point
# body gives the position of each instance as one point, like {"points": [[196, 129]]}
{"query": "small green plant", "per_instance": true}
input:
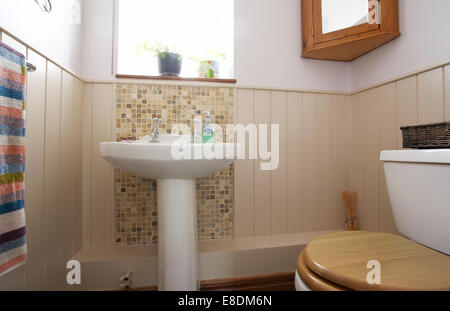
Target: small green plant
{"points": [[158, 50]]}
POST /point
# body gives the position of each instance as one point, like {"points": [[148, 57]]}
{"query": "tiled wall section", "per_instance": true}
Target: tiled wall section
{"points": [[135, 215]]}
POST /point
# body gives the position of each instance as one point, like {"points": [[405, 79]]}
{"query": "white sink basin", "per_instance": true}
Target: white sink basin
{"points": [[175, 165], [157, 161]]}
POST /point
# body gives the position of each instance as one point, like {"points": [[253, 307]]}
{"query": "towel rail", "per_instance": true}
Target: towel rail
{"points": [[30, 66]]}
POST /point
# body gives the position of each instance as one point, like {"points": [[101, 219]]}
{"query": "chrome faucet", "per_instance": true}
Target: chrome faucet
{"points": [[155, 132]]}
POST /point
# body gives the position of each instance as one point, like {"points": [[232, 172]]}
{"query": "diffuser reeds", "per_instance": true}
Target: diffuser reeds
{"points": [[350, 200]]}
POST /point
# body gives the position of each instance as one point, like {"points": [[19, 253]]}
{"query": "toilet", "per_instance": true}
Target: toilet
{"points": [[418, 183]]}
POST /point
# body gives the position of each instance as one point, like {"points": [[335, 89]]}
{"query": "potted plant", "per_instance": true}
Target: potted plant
{"points": [[208, 64], [169, 59]]}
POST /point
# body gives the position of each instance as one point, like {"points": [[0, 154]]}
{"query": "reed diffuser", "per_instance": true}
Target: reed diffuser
{"points": [[351, 222]]}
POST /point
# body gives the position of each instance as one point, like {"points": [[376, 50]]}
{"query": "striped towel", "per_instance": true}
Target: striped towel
{"points": [[13, 247]]}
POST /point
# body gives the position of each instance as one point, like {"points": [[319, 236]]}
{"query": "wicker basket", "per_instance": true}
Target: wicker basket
{"points": [[427, 136]]}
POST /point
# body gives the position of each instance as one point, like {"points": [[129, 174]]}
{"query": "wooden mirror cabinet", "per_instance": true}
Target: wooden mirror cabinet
{"points": [[344, 30]]}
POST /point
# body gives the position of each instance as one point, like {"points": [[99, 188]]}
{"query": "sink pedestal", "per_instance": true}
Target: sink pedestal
{"points": [[177, 237], [177, 213]]}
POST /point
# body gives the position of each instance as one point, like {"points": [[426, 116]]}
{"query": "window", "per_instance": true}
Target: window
{"points": [[202, 29]]}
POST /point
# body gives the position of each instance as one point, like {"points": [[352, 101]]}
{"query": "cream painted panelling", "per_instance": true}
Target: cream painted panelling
{"points": [[377, 115], [447, 91], [52, 177], [35, 130], [52, 182], [263, 179], [304, 192], [244, 178], [278, 103], [388, 141], [98, 177], [407, 105], [340, 157], [102, 173], [294, 156], [430, 95], [310, 150], [357, 150], [325, 161]]}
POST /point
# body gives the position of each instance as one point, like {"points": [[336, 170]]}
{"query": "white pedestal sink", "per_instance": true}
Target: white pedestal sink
{"points": [[177, 238]]}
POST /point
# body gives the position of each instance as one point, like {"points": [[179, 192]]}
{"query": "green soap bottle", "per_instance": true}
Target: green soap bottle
{"points": [[208, 135]]}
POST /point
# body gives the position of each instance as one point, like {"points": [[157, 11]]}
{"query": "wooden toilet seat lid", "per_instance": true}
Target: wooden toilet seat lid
{"points": [[312, 280], [342, 257]]}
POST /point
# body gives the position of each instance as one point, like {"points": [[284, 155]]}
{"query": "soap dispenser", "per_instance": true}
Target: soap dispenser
{"points": [[208, 135]]}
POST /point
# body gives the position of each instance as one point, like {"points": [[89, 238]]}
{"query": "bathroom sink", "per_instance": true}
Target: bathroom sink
{"points": [[174, 163], [166, 160]]}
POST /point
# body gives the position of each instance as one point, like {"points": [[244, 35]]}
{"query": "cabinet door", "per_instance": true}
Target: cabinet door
{"points": [[336, 19]]}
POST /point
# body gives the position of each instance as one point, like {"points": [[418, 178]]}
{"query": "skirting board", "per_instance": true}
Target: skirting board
{"points": [[283, 281]]}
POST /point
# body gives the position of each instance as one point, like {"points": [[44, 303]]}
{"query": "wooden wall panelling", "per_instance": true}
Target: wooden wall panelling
{"points": [[407, 106], [77, 222], [309, 162], [52, 179], [294, 157], [263, 179], [447, 92], [244, 225], [279, 175], [87, 163], [388, 141], [339, 164], [102, 172], [325, 162], [34, 174], [66, 195], [357, 150], [369, 210], [430, 96], [52, 175], [417, 99]]}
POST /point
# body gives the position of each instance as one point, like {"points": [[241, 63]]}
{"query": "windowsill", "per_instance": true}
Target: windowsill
{"points": [[175, 78]]}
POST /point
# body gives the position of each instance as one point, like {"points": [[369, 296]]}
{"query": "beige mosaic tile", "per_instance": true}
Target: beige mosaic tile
{"points": [[136, 215]]}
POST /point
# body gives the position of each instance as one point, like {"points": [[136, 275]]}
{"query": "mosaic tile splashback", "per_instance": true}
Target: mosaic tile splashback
{"points": [[136, 211]]}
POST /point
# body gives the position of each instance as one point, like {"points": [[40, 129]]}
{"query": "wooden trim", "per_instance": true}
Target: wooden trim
{"points": [[349, 93], [138, 289], [175, 78], [283, 281], [400, 77], [349, 48], [349, 43]]}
